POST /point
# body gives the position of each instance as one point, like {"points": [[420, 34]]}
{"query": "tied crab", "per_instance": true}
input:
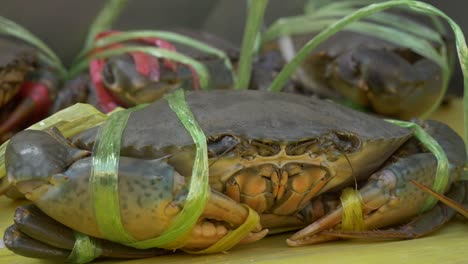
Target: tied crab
{"points": [[285, 156], [135, 78], [27, 89], [362, 70]]}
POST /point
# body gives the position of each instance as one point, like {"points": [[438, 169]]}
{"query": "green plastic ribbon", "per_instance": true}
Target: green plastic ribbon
{"points": [[125, 36], [85, 249], [197, 197], [104, 185], [103, 181], [10, 28], [234, 236], [442, 174], [104, 20], [200, 68], [256, 11]]}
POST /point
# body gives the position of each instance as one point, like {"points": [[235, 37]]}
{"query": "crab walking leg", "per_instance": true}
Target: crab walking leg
{"points": [[36, 235], [422, 225], [388, 198]]}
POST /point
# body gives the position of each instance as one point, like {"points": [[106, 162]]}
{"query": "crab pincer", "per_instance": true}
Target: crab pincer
{"points": [[151, 191], [133, 78]]}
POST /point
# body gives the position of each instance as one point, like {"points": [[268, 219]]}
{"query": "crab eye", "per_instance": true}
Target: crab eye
{"points": [[108, 76], [348, 143], [220, 145]]}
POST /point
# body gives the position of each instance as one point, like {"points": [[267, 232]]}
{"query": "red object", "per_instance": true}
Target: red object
{"points": [[146, 65], [39, 94], [105, 100]]}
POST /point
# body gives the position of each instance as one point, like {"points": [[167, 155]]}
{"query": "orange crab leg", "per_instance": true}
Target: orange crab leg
{"points": [[426, 223]]}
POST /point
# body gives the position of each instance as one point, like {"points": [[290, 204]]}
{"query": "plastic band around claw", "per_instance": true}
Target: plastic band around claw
{"points": [[233, 237], [103, 180], [442, 174], [352, 218], [197, 197], [69, 121], [85, 249]]}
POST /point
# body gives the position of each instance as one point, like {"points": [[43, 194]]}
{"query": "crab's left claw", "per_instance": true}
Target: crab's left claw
{"points": [[387, 199]]}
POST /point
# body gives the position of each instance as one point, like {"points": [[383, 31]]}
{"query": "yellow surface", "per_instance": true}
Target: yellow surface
{"points": [[449, 245]]}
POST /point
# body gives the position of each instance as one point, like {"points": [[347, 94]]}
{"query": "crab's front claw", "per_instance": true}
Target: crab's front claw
{"points": [[32, 156], [387, 199], [127, 84], [55, 175]]}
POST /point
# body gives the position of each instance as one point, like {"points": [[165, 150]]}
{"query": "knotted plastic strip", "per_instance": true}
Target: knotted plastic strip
{"points": [[352, 218], [85, 249]]}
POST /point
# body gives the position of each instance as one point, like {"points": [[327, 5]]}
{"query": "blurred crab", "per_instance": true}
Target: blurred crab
{"points": [[362, 70], [136, 77], [27, 88]]}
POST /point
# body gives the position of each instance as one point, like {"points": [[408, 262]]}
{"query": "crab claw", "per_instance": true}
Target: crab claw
{"points": [[129, 86], [133, 78], [55, 176], [388, 199], [45, 152]]}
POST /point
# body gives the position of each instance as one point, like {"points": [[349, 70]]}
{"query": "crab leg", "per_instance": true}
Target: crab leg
{"points": [[388, 199], [23, 245], [34, 234], [455, 204], [436, 217]]}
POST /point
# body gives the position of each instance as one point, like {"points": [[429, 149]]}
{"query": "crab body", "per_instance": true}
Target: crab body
{"points": [[281, 154], [368, 72]]}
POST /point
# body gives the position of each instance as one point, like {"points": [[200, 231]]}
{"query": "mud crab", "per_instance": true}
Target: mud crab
{"points": [[285, 156], [135, 78], [27, 89], [362, 70]]}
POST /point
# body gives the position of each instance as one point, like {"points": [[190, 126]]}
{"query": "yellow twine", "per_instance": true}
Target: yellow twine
{"points": [[352, 218]]}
